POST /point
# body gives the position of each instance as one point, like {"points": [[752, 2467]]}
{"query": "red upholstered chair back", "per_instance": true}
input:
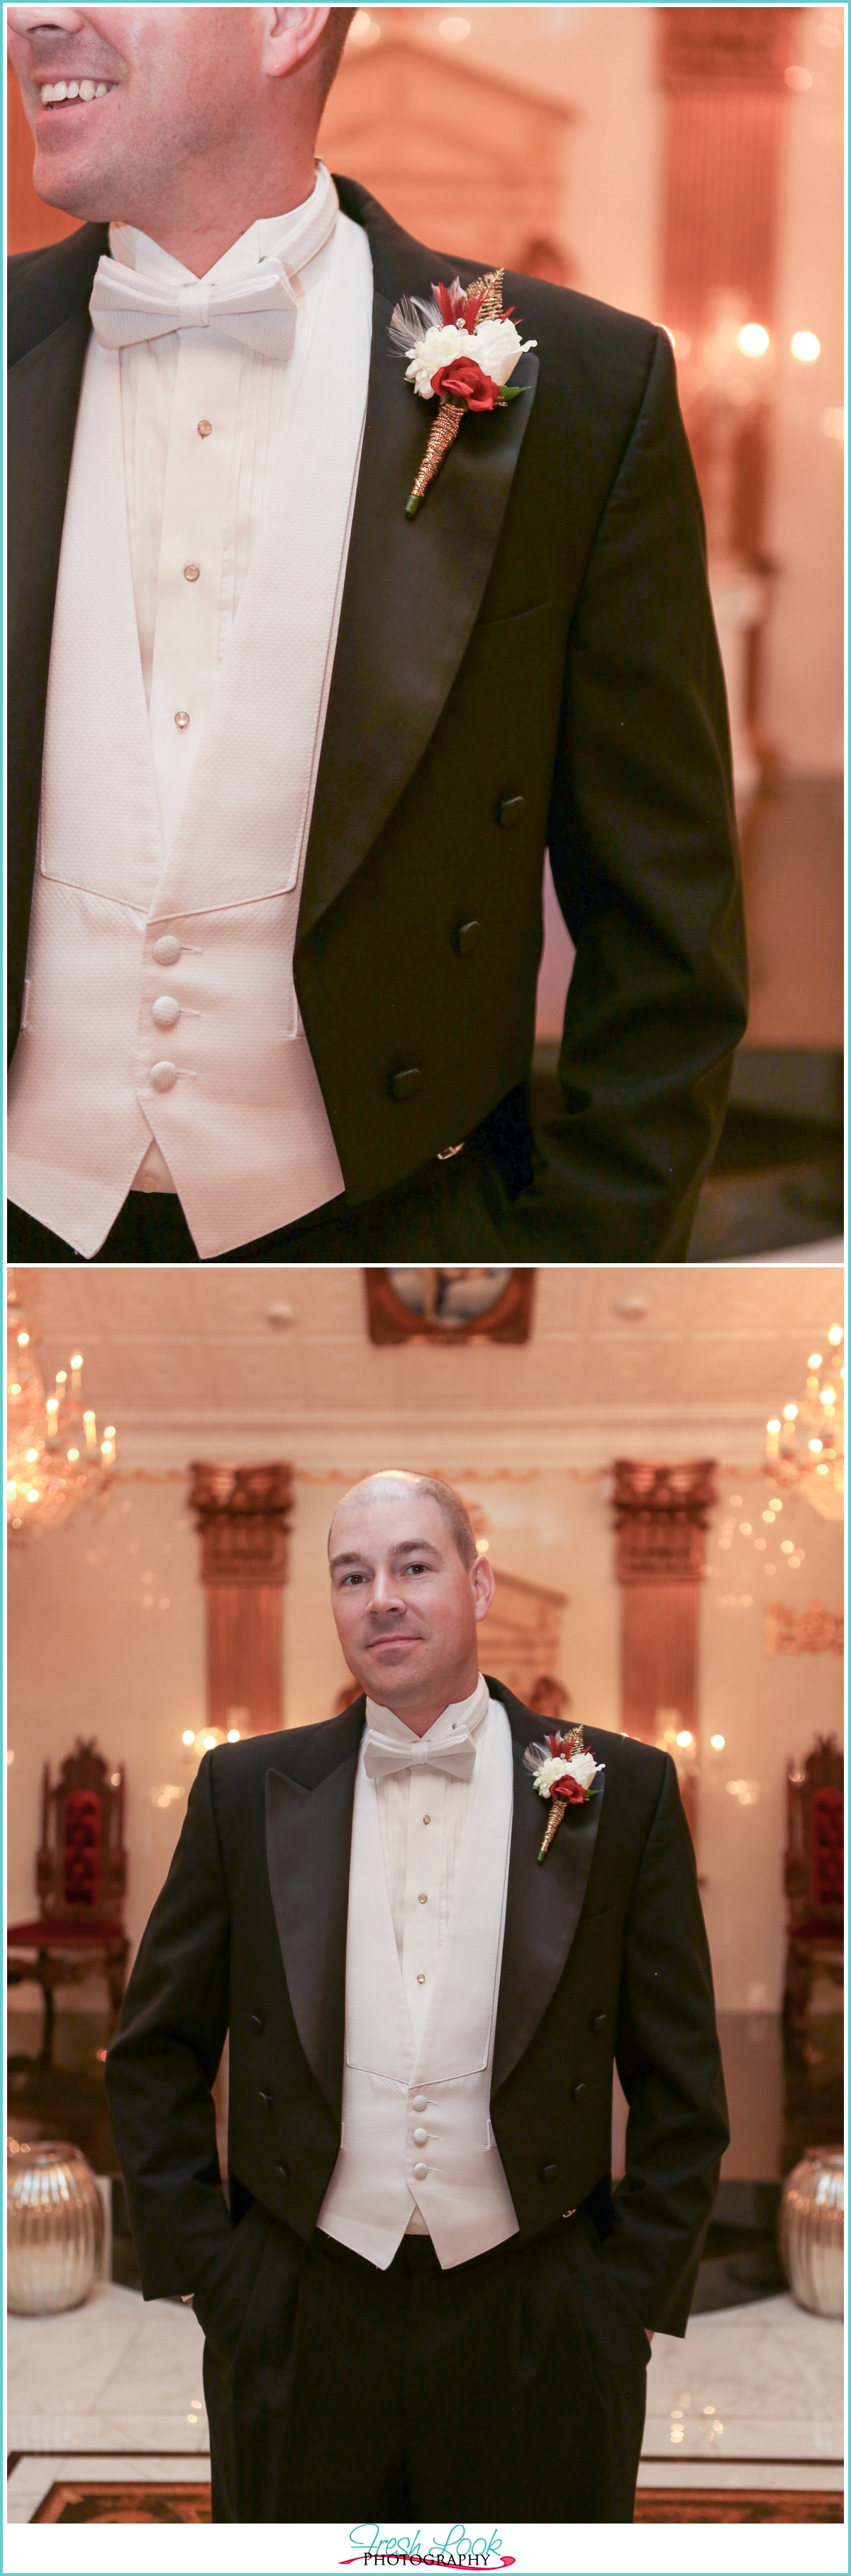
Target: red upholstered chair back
{"points": [[814, 1883], [81, 1870]]}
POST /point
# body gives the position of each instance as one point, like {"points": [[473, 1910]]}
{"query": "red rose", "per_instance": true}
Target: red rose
{"points": [[463, 380], [570, 1789]]}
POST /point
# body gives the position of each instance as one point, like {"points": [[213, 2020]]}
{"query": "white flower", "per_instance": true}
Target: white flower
{"points": [[436, 350], [581, 1767], [497, 346]]}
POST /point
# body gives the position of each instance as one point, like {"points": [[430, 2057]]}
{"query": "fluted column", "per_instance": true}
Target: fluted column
{"points": [[243, 1515], [660, 1521]]}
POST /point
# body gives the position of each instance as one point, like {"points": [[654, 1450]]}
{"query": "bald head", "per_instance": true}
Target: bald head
{"points": [[408, 1589], [398, 1480]]}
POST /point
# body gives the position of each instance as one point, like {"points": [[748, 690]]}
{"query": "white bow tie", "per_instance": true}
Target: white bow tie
{"points": [[260, 310], [383, 1755]]}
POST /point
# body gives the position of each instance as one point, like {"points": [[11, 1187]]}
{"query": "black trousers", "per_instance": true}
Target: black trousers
{"points": [[512, 2387], [447, 1211]]}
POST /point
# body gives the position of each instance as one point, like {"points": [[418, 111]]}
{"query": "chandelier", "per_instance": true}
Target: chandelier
{"points": [[805, 1444], [54, 1459]]}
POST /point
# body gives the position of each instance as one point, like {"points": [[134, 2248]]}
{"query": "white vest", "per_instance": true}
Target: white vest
{"points": [[229, 1091], [391, 2087]]}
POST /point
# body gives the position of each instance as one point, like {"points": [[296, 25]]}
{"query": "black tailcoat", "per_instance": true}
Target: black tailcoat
{"points": [[605, 1960], [531, 660]]}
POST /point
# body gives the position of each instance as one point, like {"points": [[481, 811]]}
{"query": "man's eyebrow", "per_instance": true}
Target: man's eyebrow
{"points": [[405, 1547]]}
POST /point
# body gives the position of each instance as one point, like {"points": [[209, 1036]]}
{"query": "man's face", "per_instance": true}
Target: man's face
{"points": [[406, 1608], [180, 86]]}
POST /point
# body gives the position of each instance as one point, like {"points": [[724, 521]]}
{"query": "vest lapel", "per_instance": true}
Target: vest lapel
{"points": [[308, 1844], [543, 1905], [413, 588]]}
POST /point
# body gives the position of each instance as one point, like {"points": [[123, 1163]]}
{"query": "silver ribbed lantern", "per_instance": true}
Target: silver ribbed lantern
{"points": [[55, 2228], [812, 2231]]}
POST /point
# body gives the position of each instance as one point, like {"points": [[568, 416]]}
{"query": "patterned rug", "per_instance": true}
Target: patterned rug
{"points": [[185, 2500]]}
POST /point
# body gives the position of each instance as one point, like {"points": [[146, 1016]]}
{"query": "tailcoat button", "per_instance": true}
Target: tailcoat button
{"points": [[466, 937], [419, 2102], [549, 2173], [164, 1076], [579, 2092], [404, 1085], [509, 810], [256, 2021], [421, 2137], [282, 2171], [267, 2099], [165, 1011], [167, 950], [420, 2172], [598, 2021]]}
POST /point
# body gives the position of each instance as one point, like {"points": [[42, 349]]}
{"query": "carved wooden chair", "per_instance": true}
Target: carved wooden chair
{"points": [[81, 1875]]}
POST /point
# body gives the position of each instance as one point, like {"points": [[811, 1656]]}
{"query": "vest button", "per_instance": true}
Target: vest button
{"points": [[404, 1085], [420, 2172], [282, 2172], [267, 2100], [181, 719], [256, 2021], [549, 2173], [165, 1011], [579, 2092], [191, 572], [205, 428], [421, 2137], [163, 1076], [419, 2102], [598, 2021], [168, 949]]}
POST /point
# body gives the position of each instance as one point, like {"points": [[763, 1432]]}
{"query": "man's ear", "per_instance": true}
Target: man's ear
{"points": [[291, 36], [484, 1586]]}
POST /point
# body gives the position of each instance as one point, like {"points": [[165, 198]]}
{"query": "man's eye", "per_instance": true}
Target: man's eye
{"points": [[416, 1567]]}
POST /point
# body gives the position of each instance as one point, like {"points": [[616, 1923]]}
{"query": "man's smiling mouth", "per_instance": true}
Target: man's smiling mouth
{"points": [[73, 93]]}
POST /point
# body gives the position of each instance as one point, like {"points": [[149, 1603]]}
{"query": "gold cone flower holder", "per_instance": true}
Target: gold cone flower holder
{"points": [[557, 1807], [444, 431]]}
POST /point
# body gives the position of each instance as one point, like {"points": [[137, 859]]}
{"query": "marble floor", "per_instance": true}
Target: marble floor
{"points": [[753, 2397]]}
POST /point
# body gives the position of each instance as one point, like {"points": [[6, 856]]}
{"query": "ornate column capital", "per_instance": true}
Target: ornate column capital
{"points": [[661, 1515], [243, 1515]]}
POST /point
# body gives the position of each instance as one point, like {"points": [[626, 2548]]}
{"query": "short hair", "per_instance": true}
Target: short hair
{"points": [[330, 50], [449, 1505]]}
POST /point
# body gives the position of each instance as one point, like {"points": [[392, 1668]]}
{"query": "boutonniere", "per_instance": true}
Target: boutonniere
{"points": [[563, 1772], [461, 349]]}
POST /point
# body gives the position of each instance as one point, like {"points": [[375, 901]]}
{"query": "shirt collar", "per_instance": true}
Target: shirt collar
{"points": [[461, 1715], [273, 237]]}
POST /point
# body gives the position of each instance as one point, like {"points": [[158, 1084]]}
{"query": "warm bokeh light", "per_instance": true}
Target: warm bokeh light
{"points": [[717, 1742], [805, 347], [685, 1737], [753, 340], [188, 1736], [796, 77]]}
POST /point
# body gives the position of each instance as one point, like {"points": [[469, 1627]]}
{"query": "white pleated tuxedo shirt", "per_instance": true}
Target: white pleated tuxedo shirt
{"points": [[172, 519], [423, 1816]]}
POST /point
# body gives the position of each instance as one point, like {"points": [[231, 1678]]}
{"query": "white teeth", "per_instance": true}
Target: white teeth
{"points": [[54, 92]]}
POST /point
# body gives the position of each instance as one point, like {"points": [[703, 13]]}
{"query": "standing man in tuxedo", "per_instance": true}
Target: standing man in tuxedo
{"points": [[424, 2298], [284, 761]]}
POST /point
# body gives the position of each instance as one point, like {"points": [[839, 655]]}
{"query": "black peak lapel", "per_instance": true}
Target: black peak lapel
{"points": [[413, 587], [544, 1903], [49, 330], [308, 1848]]}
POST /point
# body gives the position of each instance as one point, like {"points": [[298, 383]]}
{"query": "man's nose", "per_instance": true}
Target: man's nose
{"points": [[386, 1595], [44, 22]]}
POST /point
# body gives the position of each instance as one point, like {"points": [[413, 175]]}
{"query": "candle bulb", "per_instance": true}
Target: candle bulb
{"points": [[90, 1430], [52, 1409], [772, 1440], [76, 1372]]}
